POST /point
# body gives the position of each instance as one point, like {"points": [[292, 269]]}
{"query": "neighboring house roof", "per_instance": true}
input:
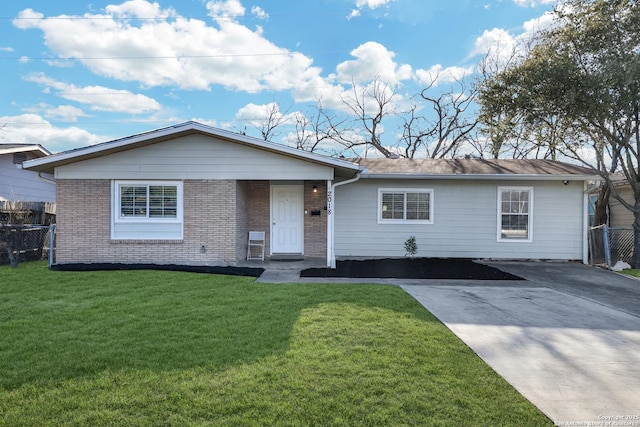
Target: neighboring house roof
{"points": [[37, 149], [48, 164], [474, 168]]}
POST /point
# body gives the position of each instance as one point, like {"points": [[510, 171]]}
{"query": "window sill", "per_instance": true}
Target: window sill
{"points": [[403, 222], [145, 242]]}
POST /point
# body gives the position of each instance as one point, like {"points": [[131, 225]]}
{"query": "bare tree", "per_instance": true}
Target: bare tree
{"points": [[448, 124], [269, 121], [318, 130], [369, 106]]}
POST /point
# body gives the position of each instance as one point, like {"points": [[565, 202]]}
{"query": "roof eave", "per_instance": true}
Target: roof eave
{"points": [[487, 177], [27, 148]]}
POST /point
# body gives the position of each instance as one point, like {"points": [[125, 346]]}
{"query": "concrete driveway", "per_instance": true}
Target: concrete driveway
{"points": [[567, 338]]}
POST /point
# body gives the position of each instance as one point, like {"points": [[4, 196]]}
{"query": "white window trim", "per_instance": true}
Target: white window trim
{"points": [[499, 216], [405, 190], [116, 199]]}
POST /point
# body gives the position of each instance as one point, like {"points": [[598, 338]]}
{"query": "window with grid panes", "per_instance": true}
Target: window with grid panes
{"points": [[405, 205]]}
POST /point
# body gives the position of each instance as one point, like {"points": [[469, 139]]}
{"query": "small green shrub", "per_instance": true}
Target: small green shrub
{"points": [[410, 246]]}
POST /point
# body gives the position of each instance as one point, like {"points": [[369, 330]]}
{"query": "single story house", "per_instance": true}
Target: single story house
{"points": [[18, 185], [189, 194]]}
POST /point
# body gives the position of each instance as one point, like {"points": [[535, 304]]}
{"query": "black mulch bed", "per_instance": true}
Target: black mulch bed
{"points": [[231, 271], [412, 268]]}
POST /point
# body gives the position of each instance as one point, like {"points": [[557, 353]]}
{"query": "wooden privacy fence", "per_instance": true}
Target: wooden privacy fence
{"points": [[42, 213]]}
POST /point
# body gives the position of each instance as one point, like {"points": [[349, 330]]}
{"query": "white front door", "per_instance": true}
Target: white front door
{"points": [[287, 219]]}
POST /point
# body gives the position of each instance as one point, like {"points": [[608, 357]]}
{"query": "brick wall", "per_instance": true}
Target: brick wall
{"points": [[217, 218], [210, 221], [259, 210], [315, 227], [84, 220], [242, 219]]}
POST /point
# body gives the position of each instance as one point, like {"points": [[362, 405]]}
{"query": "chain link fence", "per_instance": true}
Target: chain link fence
{"points": [[20, 243], [608, 245]]}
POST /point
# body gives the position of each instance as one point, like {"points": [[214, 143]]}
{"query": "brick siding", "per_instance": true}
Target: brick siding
{"points": [[315, 227], [217, 217]]}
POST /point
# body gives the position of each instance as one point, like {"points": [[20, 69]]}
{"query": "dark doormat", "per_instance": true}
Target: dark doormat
{"points": [[412, 268]]}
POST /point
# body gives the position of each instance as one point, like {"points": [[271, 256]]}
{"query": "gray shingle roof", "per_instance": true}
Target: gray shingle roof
{"points": [[438, 167]]}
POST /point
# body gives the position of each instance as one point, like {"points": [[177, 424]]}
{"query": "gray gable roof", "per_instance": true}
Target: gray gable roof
{"points": [[474, 168], [342, 167]]}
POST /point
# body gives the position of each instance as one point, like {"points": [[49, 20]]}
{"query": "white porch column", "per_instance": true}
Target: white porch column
{"points": [[331, 259]]}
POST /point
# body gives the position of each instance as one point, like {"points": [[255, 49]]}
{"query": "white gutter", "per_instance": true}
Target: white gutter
{"points": [[39, 175], [50, 181], [331, 254], [488, 177]]}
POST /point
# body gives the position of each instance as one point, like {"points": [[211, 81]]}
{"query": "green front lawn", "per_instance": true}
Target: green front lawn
{"points": [[171, 348], [631, 272]]}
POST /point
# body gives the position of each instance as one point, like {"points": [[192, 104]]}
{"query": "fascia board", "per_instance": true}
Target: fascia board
{"points": [[485, 177]]}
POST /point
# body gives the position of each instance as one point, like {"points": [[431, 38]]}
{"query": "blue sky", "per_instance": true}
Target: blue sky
{"points": [[76, 73]]}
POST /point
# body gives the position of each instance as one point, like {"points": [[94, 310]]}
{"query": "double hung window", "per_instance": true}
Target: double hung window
{"points": [[514, 214]]}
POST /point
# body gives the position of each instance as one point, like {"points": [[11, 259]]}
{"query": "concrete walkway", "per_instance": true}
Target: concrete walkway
{"points": [[567, 338]]}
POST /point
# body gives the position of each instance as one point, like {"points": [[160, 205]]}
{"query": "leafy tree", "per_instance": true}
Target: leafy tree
{"points": [[581, 79]]}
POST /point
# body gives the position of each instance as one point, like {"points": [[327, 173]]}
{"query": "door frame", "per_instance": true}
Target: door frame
{"points": [[300, 194]]}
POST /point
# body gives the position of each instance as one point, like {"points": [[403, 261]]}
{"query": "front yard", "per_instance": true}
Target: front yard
{"points": [[171, 348]]}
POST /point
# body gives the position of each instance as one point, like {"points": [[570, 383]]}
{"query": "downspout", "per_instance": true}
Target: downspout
{"points": [[585, 218], [331, 255]]}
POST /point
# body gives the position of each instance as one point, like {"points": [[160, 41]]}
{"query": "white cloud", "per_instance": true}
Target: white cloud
{"points": [[139, 9], [60, 63], [501, 46], [371, 4], [6, 49], [256, 115], [225, 9], [490, 39], [99, 98], [24, 59], [373, 60], [437, 75], [544, 22], [181, 52], [533, 3], [354, 13], [258, 12], [67, 113], [33, 129]]}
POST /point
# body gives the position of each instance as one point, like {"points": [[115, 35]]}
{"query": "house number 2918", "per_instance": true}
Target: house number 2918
{"points": [[329, 200]]}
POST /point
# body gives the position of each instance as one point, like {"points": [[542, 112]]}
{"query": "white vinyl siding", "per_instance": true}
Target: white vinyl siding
{"points": [[515, 207], [401, 205], [147, 210], [465, 221], [22, 185]]}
